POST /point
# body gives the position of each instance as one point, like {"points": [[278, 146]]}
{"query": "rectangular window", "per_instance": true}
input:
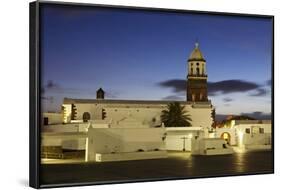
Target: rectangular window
{"points": [[46, 120], [247, 130], [261, 130]]}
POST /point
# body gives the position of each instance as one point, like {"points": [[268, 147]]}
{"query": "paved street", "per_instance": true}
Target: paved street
{"points": [[178, 165]]}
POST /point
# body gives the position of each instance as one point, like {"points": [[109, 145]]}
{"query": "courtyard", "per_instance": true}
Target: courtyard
{"points": [[177, 165]]}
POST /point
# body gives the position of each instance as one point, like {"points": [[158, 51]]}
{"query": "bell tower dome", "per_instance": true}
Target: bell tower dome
{"points": [[196, 77]]}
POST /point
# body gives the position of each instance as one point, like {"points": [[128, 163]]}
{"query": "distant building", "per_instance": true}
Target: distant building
{"points": [[247, 133]]}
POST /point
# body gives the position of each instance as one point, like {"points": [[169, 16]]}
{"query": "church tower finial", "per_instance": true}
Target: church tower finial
{"points": [[196, 43]]}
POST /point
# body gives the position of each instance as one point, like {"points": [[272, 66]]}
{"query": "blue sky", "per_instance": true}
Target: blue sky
{"points": [[132, 53]]}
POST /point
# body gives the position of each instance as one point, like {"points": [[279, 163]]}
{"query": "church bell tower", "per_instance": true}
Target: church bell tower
{"points": [[196, 77]]}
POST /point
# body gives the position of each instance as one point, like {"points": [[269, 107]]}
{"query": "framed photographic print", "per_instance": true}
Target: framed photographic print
{"points": [[129, 94]]}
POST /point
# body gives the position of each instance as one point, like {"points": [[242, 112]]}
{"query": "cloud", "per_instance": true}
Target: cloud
{"points": [[224, 87], [54, 87], [111, 94], [227, 99], [51, 85], [231, 86], [177, 85], [48, 98], [258, 115], [259, 92], [173, 97]]}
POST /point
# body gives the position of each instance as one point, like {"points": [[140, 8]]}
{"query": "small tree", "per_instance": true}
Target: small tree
{"points": [[175, 116]]}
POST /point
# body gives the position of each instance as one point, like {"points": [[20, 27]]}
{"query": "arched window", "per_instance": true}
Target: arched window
{"points": [[191, 71], [197, 71], [193, 97], [86, 116]]}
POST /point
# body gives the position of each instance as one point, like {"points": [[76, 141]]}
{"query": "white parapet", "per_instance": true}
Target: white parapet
{"points": [[210, 146], [121, 141]]}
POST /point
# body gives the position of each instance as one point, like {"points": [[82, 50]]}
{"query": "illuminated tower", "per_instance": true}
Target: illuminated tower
{"points": [[197, 77]]}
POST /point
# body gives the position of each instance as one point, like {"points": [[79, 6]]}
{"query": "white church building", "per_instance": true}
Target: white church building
{"points": [[197, 104]]}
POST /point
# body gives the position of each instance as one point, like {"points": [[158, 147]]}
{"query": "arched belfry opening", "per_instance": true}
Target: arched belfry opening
{"points": [[196, 79]]}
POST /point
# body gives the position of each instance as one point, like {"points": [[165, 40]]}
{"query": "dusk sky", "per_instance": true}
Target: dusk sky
{"points": [[142, 55]]}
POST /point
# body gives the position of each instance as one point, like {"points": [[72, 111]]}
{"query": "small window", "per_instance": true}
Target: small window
{"points": [[261, 130], [247, 130], [46, 120], [197, 64]]}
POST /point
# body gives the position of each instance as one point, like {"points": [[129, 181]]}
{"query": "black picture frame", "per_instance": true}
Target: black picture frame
{"points": [[35, 87]]}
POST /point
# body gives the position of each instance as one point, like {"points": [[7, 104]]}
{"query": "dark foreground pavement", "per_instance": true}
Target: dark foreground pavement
{"points": [[178, 165]]}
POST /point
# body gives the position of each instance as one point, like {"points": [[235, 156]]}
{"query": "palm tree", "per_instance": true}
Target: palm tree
{"points": [[175, 116]]}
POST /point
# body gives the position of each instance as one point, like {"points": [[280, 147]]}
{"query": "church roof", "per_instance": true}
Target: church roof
{"points": [[114, 101], [196, 54]]}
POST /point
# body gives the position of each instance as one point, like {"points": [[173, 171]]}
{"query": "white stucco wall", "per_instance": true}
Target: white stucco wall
{"points": [[66, 113], [201, 116], [179, 138], [53, 118], [123, 140], [147, 114]]}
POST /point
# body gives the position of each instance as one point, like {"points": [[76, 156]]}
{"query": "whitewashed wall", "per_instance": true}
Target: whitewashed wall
{"points": [[144, 113], [123, 140], [53, 118]]}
